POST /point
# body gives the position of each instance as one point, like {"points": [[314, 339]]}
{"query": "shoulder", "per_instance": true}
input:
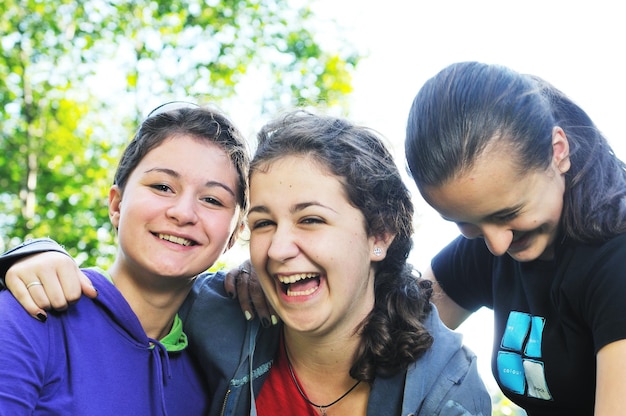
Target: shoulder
{"points": [[447, 375], [588, 261], [447, 357], [615, 247], [14, 317], [611, 247], [446, 344], [109, 296], [590, 287], [21, 335], [211, 284], [209, 306], [206, 287]]}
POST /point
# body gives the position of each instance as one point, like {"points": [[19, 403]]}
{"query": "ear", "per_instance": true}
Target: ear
{"points": [[560, 150], [379, 246], [115, 202]]}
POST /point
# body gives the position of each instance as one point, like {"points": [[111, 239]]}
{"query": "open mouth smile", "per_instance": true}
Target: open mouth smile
{"points": [[301, 284]]}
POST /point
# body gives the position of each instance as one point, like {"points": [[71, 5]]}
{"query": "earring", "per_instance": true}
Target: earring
{"points": [[378, 251]]}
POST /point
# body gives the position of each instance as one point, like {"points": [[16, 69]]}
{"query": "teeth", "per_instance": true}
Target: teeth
{"points": [[174, 239], [302, 293], [296, 277]]}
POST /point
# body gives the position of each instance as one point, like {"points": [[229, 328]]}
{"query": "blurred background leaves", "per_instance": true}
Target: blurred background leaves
{"points": [[76, 77]]}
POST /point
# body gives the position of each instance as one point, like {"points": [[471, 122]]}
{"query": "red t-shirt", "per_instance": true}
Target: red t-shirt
{"points": [[279, 395]]}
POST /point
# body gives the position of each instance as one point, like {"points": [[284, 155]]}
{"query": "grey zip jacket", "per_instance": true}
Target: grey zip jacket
{"points": [[444, 381]]}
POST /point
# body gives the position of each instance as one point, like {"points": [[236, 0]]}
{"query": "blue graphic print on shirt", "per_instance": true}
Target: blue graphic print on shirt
{"points": [[519, 364]]}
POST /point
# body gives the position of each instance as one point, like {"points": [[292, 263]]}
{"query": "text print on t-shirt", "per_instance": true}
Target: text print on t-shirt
{"points": [[520, 368]]}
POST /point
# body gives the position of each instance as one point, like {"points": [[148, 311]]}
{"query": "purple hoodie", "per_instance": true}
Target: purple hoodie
{"points": [[94, 359]]}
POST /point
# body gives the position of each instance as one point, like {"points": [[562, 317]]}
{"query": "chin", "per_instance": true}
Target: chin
{"points": [[523, 256], [533, 252]]}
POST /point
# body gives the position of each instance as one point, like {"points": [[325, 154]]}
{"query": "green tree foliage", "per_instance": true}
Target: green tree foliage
{"points": [[75, 77]]}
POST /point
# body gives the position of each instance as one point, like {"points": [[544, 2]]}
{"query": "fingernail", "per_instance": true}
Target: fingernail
{"points": [[231, 295], [42, 317], [248, 315], [274, 320], [265, 322]]}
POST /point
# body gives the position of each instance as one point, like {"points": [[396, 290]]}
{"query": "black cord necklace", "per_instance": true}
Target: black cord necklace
{"points": [[322, 407]]}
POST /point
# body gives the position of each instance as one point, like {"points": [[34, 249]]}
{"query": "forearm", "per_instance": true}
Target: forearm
{"points": [[28, 247]]}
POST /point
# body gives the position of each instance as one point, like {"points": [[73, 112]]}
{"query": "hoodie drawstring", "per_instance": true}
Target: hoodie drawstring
{"points": [[160, 356]]}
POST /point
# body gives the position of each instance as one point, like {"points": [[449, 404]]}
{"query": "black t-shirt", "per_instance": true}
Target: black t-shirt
{"points": [[550, 317]]}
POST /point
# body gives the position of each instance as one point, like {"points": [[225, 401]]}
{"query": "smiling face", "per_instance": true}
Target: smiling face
{"points": [[515, 213], [309, 247], [177, 211]]}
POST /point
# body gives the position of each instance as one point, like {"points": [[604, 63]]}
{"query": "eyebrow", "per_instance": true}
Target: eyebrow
{"points": [[298, 207], [504, 211], [208, 184]]}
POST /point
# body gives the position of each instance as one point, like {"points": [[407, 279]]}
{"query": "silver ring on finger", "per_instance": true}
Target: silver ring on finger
{"points": [[35, 283]]}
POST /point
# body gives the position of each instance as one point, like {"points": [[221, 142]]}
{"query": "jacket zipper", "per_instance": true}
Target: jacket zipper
{"points": [[224, 402]]}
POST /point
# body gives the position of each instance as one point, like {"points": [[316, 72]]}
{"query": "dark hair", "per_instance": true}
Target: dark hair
{"points": [[393, 335], [469, 105], [204, 124]]}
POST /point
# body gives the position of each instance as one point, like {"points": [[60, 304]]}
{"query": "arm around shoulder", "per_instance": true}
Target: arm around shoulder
{"points": [[42, 275], [28, 247]]}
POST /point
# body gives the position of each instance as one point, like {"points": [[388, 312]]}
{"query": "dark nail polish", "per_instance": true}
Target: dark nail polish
{"points": [[42, 317]]}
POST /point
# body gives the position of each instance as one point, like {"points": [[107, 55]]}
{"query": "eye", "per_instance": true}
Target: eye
{"points": [[261, 223], [161, 187], [506, 217], [312, 220], [213, 201]]}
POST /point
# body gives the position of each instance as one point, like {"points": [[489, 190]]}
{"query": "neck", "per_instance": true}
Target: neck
{"points": [[323, 370], [326, 355], [155, 305], [322, 362]]}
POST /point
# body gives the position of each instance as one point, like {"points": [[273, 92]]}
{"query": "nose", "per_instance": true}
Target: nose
{"points": [[283, 245], [498, 239], [183, 210]]}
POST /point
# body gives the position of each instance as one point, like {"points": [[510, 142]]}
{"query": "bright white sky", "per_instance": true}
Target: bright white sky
{"points": [[579, 46]]}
